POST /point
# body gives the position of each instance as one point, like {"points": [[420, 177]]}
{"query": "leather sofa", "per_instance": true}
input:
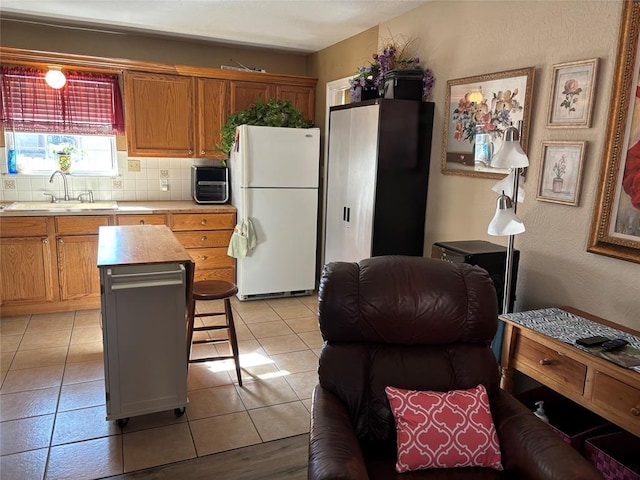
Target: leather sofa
{"points": [[419, 324]]}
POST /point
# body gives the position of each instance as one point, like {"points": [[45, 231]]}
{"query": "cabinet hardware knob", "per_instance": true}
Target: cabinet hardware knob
{"points": [[204, 257], [635, 411], [202, 152], [545, 361], [204, 221], [204, 237], [60, 240], [141, 222], [190, 152], [45, 241]]}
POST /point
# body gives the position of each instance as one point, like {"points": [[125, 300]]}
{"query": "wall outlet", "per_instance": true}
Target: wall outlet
{"points": [[133, 165], [164, 185]]}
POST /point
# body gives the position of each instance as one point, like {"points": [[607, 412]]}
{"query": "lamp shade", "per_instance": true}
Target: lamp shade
{"points": [[510, 154], [506, 186], [505, 222], [55, 78]]}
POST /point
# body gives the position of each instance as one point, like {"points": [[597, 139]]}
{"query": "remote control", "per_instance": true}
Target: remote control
{"points": [[614, 344]]}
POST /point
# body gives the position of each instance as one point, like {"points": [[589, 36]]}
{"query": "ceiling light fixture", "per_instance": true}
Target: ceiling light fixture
{"points": [[55, 78]]}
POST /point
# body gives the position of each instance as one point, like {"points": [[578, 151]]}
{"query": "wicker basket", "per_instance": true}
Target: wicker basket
{"points": [[574, 428], [615, 455]]}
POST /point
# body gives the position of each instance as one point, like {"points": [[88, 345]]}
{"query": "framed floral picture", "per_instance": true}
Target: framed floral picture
{"points": [[479, 109], [615, 228], [571, 98], [561, 172]]}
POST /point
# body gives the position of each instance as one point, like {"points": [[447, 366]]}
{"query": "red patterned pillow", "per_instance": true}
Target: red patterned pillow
{"points": [[444, 429]]}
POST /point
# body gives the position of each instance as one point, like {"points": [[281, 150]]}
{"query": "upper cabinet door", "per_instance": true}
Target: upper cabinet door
{"points": [[244, 94], [213, 110], [302, 98], [159, 113]]}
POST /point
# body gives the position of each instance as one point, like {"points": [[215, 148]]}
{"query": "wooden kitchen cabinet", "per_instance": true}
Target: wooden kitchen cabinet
{"points": [[26, 261], [159, 112], [211, 113], [302, 98], [77, 249], [206, 237], [144, 219], [243, 94]]}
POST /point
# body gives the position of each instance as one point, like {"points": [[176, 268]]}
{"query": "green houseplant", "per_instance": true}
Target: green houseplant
{"points": [[272, 113]]}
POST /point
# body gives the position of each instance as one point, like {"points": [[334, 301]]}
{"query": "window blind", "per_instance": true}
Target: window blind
{"points": [[88, 104]]}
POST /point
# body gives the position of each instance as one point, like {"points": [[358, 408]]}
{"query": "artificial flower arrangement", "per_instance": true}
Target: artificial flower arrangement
{"points": [[395, 55]]}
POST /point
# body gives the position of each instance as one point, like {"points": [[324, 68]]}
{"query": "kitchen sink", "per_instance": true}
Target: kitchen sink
{"points": [[61, 206]]}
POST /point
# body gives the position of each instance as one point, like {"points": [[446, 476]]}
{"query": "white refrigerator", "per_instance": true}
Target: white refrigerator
{"points": [[274, 184]]}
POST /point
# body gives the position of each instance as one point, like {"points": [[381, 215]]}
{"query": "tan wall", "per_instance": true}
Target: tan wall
{"points": [[460, 39], [555, 267], [145, 48]]}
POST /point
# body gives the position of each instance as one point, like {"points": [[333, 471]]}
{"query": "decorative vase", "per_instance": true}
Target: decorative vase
{"points": [[369, 91], [557, 185]]}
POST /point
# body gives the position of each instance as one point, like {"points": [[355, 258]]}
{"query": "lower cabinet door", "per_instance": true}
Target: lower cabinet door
{"points": [[25, 270], [77, 266]]}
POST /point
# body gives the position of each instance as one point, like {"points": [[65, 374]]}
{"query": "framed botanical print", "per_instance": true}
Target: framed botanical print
{"points": [[561, 172], [571, 98]]}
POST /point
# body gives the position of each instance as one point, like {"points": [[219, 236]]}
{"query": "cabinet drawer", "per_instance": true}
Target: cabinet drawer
{"points": [[218, 238], [210, 258], [141, 220], [81, 225], [23, 226], [619, 398], [549, 366], [226, 274], [203, 221]]}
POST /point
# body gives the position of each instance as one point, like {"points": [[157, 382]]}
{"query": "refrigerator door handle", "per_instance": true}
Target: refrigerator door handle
{"points": [[348, 214]]}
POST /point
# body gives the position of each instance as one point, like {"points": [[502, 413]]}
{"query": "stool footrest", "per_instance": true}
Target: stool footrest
{"points": [[211, 340], [211, 314], [214, 327], [209, 359]]}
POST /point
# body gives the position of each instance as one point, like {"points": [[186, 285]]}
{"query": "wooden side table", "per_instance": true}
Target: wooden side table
{"points": [[536, 348]]}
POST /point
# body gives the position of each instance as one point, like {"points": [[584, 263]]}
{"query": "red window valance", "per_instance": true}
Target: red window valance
{"points": [[88, 104]]}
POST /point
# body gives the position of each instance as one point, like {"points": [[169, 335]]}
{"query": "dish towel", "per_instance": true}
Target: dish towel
{"points": [[243, 239]]}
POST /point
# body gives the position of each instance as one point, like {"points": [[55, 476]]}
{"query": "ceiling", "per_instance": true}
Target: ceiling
{"points": [[303, 26]]}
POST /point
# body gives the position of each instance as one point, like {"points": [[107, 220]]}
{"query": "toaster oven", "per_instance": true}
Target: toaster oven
{"points": [[210, 184]]}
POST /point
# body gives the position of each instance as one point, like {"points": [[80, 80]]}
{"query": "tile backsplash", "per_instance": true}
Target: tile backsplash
{"points": [[126, 186]]}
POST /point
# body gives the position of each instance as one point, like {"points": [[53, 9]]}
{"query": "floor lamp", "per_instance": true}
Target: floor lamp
{"points": [[505, 222]]}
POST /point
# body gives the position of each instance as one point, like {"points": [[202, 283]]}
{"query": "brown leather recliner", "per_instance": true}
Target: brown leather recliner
{"points": [[419, 324]]}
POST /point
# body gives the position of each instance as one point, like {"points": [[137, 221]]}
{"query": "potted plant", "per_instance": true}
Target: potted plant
{"points": [[272, 113], [559, 169], [64, 158]]}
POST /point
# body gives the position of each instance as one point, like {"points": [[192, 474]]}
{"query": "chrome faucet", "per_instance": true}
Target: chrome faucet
{"points": [[64, 179]]}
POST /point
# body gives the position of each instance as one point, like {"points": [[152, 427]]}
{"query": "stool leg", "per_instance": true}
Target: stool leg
{"points": [[191, 318], [233, 339]]}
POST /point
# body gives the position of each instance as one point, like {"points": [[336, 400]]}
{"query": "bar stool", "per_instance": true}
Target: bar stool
{"points": [[215, 290]]}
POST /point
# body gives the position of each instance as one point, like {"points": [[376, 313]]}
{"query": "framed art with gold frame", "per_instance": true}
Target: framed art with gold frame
{"points": [[487, 105], [615, 228], [571, 97]]}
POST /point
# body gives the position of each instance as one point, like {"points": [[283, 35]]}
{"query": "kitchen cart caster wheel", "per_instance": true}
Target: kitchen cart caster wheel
{"points": [[122, 422], [179, 411]]}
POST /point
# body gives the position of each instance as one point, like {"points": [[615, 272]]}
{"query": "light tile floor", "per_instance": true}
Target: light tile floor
{"points": [[52, 400]]}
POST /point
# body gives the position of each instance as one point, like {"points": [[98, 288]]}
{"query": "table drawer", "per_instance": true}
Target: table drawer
{"points": [[547, 365], [81, 225], [619, 398], [210, 258], [215, 238], [141, 220], [23, 226], [203, 221]]}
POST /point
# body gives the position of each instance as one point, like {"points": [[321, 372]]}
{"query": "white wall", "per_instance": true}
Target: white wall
{"points": [[460, 39]]}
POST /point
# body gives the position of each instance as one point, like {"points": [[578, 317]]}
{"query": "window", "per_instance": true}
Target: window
{"points": [[40, 153], [71, 129]]}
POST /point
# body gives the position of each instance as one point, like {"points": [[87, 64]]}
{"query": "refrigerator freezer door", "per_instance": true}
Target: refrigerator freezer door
{"points": [[284, 260], [277, 157]]}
